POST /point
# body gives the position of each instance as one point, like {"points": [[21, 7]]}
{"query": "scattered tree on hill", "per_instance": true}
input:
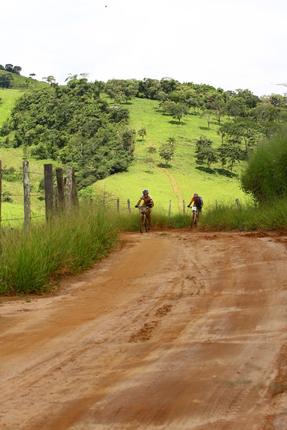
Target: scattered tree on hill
{"points": [[230, 153], [5, 80], [204, 153], [176, 110], [50, 79], [207, 114], [142, 133], [151, 150], [166, 153]]}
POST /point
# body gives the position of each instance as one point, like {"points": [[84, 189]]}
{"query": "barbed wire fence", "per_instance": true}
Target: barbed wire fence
{"points": [[59, 192]]}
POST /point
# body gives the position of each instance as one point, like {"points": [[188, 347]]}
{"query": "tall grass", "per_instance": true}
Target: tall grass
{"points": [[130, 222], [270, 216], [69, 244]]}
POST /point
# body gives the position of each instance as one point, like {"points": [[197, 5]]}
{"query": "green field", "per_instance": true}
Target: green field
{"points": [[180, 181]]}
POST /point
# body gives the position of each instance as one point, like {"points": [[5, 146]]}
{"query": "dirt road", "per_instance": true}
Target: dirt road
{"points": [[174, 331]]}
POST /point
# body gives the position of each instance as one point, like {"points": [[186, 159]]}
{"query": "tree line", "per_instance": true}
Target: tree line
{"points": [[74, 125], [6, 78], [248, 119]]}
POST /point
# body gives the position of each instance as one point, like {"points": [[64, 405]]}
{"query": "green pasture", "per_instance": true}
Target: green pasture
{"points": [[7, 101], [182, 179]]}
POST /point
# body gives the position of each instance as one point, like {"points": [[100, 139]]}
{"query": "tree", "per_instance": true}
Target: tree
{"points": [[166, 153], [176, 110], [204, 153], [9, 67], [151, 150], [230, 153], [142, 133], [5, 80], [17, 70], [50, 79], [207, 114]]}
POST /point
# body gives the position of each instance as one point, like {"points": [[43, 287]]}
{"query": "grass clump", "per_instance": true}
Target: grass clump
{"points": [[28, 260], [268, 216]]}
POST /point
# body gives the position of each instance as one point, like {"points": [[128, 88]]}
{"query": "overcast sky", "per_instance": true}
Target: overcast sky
{"points": [[227, 43]]}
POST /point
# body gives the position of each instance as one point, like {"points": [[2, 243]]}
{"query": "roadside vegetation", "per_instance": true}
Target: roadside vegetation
{"points": [[29, 260], [265, 179]]}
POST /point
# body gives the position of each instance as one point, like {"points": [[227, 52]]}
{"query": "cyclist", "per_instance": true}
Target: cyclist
{"points": [[148, 202], [197, 202]]}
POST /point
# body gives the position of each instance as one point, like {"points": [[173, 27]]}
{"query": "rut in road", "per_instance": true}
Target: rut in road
{"points": [[175, 330]]}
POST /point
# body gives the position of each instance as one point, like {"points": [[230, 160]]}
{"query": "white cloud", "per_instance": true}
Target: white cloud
{"points": [[228, 43]]}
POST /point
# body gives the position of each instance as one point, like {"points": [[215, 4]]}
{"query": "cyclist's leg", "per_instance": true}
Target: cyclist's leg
{"points": [[142, 219], [148, 218]]}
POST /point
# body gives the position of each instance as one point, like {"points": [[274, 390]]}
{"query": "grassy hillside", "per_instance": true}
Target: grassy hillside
{"points": [[176, 183], [183, 178], [7, 101], [22, 82]]}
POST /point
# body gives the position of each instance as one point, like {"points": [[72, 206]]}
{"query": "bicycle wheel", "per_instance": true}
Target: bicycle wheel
{"points": [[146, 224], [142, 223]]}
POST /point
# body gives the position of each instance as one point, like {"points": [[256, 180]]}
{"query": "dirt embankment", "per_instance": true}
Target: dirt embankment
{"points": [[174, 331]]}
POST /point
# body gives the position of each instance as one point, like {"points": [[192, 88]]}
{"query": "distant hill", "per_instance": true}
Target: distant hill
{"points": [[19, 82]]}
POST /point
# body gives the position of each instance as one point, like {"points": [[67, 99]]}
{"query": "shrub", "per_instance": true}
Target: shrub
{"points": [[266, 174]]}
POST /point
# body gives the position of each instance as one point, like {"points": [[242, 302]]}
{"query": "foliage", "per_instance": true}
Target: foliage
{"points": [[11, 68], [230, 153], [246, 217], [266, 174], [121, 90], [204, 153], [6, 197], [71, 243], [74, 125], [142, 133], [5, 80], [166, 152], [176, 110]]}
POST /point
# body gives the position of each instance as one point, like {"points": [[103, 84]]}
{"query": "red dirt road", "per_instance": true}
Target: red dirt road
{"points": [[174, 331]]}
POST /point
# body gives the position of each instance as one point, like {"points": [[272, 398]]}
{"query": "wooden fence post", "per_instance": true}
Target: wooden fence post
{"points": [[27, 197], [48, 187], [129, 206], [72, 188], [183, 207], [169, 209], [60, 188], [118, 205], [0, 192]]}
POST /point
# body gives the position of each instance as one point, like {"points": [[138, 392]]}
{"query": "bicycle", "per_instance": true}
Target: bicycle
{"points": [[144, 221], [195, 216]]}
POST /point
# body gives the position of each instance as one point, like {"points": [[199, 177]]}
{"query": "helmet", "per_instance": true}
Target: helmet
{"points": [[145, 191], [195, 195]]}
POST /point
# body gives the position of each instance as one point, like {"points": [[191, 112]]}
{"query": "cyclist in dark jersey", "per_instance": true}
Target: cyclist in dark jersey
{"points": [[196, 201]]}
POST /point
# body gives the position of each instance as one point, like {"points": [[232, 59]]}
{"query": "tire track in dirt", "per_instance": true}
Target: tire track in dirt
{"points": [[180, 331]]}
